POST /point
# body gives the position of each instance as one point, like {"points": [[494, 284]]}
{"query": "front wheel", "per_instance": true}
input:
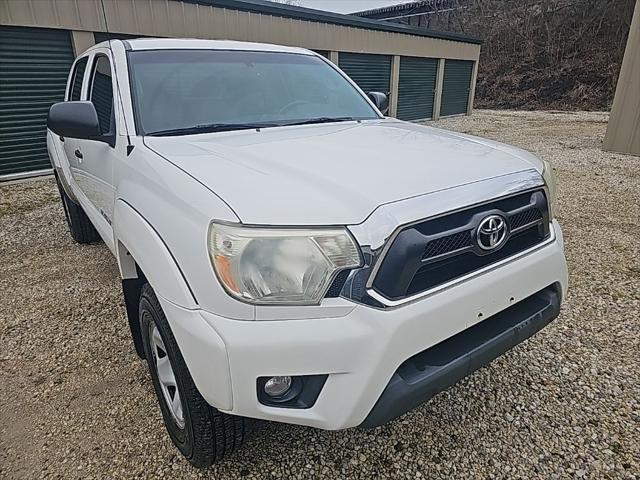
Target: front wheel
{"points": [[202, 433]]}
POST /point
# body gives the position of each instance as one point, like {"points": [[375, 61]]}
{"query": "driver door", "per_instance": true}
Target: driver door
{"points": [[74, 94], [95, 158]]}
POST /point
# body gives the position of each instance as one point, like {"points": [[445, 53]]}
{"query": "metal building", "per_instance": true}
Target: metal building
{"points": [[623, 131], [427, 74]]}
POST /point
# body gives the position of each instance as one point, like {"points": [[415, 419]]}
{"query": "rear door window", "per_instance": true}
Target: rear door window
{"points": [[101, 93], [76, 81]]}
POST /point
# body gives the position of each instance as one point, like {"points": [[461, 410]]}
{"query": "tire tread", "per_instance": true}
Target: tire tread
{"points": [[80, 227], [215, 434]]}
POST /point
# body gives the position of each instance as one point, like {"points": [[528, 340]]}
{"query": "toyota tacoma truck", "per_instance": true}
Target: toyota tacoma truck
{"points": [[287, 252]]}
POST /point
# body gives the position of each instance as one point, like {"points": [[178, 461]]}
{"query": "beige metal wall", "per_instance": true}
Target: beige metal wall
{"points": [[68, 14], [169, 18], [623, 131]]}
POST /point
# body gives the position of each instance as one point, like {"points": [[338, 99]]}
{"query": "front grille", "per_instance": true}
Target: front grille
{"points": [[524, 218], [435, 251], [450, 243]]}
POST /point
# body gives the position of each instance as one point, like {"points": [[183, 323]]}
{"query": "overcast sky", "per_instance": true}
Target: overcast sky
{"points": [[347, 6]]}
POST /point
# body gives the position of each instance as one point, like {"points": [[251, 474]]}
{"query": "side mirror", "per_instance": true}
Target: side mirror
{"points": [[74, 120], [380, 100]]}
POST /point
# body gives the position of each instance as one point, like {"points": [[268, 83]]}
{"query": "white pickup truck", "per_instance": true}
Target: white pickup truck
{"points": [[287, 252]]}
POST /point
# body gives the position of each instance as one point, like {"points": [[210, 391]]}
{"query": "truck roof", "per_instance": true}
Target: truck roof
{"points": [[194, 43]]}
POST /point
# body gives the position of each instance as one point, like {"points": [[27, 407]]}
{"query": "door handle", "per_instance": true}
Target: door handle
{"points": [[78, 153]]}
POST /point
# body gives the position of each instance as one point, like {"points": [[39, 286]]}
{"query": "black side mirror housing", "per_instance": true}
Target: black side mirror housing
{"points": [[74, 120], [380, 100]]}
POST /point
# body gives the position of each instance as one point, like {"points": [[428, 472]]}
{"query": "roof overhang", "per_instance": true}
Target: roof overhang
{"points": [[312, 15]]}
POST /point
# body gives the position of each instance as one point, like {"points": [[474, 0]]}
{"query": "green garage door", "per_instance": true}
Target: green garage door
{"points": [[417, 87], [372, 73], [456, 86], [34, 65]]}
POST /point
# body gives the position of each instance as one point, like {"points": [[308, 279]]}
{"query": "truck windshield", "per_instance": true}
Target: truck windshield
{"points": [[179, 92]]}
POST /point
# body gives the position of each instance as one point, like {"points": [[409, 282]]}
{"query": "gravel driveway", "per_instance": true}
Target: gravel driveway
{"points": [[76, 402]]}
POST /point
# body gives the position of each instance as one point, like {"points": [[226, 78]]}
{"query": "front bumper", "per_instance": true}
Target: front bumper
{"points": [[429, 372], [360, 351]]}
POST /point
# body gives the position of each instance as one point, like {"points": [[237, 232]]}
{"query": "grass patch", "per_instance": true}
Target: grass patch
{"points": [[15, 206]]}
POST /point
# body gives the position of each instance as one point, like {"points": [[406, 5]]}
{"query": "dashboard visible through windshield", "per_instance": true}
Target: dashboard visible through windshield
{"points": [[178, 92]]}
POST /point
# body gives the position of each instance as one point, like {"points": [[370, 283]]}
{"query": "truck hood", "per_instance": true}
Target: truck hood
{"points": [[334, 174]]}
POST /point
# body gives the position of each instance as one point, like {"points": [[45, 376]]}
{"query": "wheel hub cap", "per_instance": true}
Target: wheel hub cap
{"points": [[166, 377]]}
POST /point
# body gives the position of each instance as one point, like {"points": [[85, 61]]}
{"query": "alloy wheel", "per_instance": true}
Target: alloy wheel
{"points": [[166, 377]]}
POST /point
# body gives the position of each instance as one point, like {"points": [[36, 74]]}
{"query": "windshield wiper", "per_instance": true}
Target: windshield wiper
{"points": [[209, 128], [321, 120], [227, 127]]}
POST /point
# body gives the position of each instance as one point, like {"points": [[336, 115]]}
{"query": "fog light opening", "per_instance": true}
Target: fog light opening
{"points": [[278, 386], [290, 391]]}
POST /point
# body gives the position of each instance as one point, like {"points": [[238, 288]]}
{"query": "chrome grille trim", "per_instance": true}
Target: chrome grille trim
{"points": [[404, 271], [445, 286], [396, 232], [377, 231]]}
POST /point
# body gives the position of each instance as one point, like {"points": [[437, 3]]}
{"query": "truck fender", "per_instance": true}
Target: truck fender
{"points": [[143, 257], [140, 246]]}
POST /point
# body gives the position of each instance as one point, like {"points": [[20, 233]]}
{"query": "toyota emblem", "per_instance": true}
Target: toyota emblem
{"points": [[492, 232]]}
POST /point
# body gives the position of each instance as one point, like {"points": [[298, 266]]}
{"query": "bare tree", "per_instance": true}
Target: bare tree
{"points": [[544, 53]]}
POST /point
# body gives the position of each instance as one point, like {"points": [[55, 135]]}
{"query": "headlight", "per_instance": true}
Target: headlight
{"points": [[550, 181], [280, 265]]}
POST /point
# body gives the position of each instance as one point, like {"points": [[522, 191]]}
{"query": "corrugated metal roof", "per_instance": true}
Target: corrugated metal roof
{"points": [[413, 9], [399, 7], [309, 14]]}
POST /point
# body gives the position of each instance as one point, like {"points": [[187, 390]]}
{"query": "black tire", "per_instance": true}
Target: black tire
{"points": [[207, 434], [80, 227]]}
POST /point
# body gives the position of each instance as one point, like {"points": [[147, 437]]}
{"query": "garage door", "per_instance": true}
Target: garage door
{"points": [[456, 86], [417, 87], [34, 64], [372, 73]]}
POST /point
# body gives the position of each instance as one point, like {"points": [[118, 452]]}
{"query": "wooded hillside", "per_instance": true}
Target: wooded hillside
{"points": [[544, 54]]}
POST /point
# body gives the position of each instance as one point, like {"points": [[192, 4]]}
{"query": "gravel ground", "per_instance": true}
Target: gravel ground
{"points": [[76, 402]]}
